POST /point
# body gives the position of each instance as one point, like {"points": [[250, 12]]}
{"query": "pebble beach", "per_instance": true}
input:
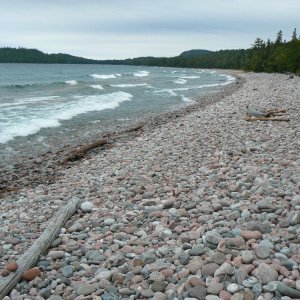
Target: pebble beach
{"points": [[200, 204]]}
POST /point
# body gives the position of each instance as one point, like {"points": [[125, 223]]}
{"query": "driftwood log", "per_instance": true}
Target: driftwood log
{"points": [[31, 256], [265, 119], [81, 152]]}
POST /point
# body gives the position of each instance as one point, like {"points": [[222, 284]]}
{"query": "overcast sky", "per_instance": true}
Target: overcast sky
{"points": [[106, 29]]}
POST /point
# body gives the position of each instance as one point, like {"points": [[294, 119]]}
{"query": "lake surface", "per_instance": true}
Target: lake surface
{"points": [[47, 104]]}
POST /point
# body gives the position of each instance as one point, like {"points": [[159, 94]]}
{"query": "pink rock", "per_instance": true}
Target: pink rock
{"points": [[224, 295], [167, 273], [248, 234], [12, 267], [31, 274]]}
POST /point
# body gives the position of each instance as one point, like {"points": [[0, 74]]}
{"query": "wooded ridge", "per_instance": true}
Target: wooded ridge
{"points": [[264, 56]]}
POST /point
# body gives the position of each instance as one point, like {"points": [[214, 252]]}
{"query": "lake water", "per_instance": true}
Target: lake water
{"points": [[45, 104]]}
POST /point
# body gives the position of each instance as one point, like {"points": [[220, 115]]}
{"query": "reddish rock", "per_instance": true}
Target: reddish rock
{"points": [[249, 235], [31, 274], [12, 267], [224, 295]]}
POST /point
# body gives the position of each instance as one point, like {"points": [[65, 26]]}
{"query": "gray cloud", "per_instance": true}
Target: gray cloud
{"points": [[119, 29]]}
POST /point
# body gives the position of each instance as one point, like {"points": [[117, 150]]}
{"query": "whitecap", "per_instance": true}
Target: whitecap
{"points": [[180, 81], [190, 77], [141, 73], [97, 86], [129, 85], [53, 114], [71, 82], [108, 76]]}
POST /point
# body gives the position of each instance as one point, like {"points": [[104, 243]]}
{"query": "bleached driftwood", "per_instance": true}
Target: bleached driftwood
{"points": [[265, 119], [81, 152], [31, 256], [253, 112]]}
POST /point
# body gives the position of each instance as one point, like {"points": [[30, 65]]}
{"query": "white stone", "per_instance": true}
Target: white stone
{"points": [[86, 207]]}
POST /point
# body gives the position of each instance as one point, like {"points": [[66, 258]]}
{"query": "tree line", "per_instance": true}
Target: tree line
{"points": [[264, 56], [24, 55]]}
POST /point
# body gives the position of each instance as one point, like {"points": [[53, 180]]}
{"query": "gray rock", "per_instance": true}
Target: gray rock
{"points": [[87, 207], [197, 250], [148, 257], [158, 286], [213, 237], [225, 269], [268, 244], [257, 289], [271, 286], [67, 271], [56, 254], [159, 296], [248, 256], [156, 276], [233, 288], [266, 273], [262, 251], [94, 256], [198, 292], [87, 289], [108, 222], [184, 259], [218, 257], [250, 282], [55, 297], [285, 290]]}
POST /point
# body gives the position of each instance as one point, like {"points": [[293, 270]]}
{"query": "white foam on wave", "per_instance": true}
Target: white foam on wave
{"points": [[228, 77], [186, 99], [108, 76], [129, 85], [54, 113], [190, 77], [30, 100], [71, 82], [180, 81], [141, 73], [97, 86]]}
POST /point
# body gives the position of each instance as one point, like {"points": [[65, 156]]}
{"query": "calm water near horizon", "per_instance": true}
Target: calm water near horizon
{"points": [[45, 105]]}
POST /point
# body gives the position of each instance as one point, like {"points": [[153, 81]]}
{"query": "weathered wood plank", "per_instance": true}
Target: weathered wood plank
{"points": [[265, 119], [31, 256]]}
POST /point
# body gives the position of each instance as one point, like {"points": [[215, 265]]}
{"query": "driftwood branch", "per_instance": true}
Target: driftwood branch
{"points": [[31, 256], [81, 152], [265, 119], [276, 111]]}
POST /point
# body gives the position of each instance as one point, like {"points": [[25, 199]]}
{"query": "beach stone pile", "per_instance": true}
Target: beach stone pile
{"points": [[204, 207]]}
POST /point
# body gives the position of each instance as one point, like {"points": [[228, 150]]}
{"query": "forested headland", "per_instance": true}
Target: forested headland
{"points": [[264, 56]]}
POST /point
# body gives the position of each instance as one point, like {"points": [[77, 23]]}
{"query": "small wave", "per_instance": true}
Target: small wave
{"points": [[71, 82], [52, 116], [190, 77], [141, 73], [129, 85], [22, 101], [109, 76], [186, 99], [97, 86], [228, 77], [180, 81], [31, 127]]}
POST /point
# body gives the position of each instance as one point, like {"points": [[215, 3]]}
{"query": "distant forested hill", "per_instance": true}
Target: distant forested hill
{"points": [[195, 52], [270, 56], [23, 55], [264, 56]]}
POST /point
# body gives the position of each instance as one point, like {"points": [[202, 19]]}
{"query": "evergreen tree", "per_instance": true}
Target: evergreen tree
{"points": [[279, 38], [294, 35]]}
